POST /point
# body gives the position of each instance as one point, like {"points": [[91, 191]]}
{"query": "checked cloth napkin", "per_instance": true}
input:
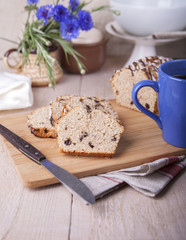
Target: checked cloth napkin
{"points": [[149, 178]]}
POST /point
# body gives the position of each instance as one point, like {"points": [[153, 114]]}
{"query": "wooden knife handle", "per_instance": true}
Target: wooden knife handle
{"points": [[23, 146]]}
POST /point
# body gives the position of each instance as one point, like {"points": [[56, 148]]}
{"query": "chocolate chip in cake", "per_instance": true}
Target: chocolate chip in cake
{"points": [[35, 129], [85, 134], [81, 138], [96, 101], [52, 121], [147, 105], [61, 100], [91, 145], [113, 139], [88, 108], [67, 142], [46, 130], [131, 103], [117, 92], [97, 106]]}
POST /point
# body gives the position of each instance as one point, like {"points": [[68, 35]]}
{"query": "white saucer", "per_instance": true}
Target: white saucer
{"points": [[144, 46]]}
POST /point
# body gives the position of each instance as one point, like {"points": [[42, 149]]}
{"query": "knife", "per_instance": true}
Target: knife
{"points": [[74, 184]]}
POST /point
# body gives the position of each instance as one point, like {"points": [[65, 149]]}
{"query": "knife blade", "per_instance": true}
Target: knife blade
{"points": [[74, 184]]}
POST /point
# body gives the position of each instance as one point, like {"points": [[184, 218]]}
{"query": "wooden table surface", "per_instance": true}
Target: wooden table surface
{"points": [[52, 213]]}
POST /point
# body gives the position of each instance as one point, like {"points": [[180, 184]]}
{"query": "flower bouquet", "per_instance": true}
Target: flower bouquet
{"points": [[50, 26]]}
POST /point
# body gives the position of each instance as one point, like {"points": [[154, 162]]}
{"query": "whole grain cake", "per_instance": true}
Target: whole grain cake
{"points": [[124, 80], [83, 125], [92, 133]]}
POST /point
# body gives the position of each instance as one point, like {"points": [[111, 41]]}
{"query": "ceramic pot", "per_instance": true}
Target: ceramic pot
{"points": [[94, 56], [38, 74]]}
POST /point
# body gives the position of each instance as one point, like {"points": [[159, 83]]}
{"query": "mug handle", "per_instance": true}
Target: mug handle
{"points": [[6, 62], [136, 88]]}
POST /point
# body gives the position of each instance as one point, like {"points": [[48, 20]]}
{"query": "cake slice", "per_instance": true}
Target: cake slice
{"points": [[90, 104], [39, 123], [92, 133], [56, 107], [124, 80]]}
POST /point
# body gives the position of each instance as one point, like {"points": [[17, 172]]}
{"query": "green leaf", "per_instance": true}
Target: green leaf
{"points": [[68, 49], [8, 40]]}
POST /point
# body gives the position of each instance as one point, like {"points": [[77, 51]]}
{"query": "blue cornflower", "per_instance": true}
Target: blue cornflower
{"points": [[60, 13], [73, 4], [44, 13], [30, 2], [85, 20], [70, 28]]}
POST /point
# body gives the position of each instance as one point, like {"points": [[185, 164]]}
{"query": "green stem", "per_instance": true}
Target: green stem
{"points": [[116, 12], [28, 17]]}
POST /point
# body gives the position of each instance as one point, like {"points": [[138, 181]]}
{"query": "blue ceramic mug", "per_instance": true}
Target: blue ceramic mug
{"points": [[171, 89]]}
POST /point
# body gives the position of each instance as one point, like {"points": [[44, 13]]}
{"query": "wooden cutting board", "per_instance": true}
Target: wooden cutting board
{"points": [[140, 143]]}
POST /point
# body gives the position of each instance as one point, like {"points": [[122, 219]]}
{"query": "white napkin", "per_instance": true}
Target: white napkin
{"points": [[15, 91]]}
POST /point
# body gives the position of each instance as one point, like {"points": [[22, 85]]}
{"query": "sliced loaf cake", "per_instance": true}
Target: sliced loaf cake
{"points": [[39, 123], [92, 133], [124, 80], [56, 107], [90, 104]]}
